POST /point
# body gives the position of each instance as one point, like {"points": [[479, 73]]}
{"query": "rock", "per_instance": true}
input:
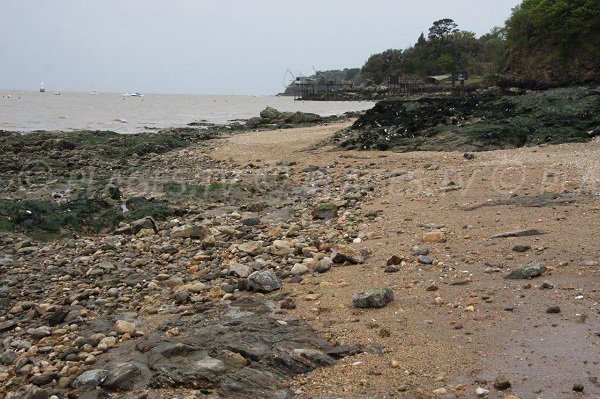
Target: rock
{"points": [[33, 392], [135, 227], [212, 365], [501, 383], [251, 221], [263, 281], [481, 391], [256, 122], [124, 327], [591, 263], [299, 269], [519, 233], [578, 387], [43, 379], [553, 309], [420, 251], [8, 325], [91, 378], [394, 260], [190, 231], [41, 332], [391, 269], [323, 265], [469, 156], [425, 260], [521, 248], [270, 114], [373, 298], [233, 359], [239, 270], [195, 287], [305, 117], [312, 358], [325, 211], [529, 270], [434, 236], [251, 247], [343, 253], [439, 391]]}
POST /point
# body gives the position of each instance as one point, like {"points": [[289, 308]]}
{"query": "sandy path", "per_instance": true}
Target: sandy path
{"points": [[275, 145]]}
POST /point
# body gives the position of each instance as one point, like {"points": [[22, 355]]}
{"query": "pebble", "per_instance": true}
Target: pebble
{"points": [[553, 309], [501, 383]]}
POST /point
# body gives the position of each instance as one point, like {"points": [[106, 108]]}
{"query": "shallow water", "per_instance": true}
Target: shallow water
{"points": [[27, 111]]}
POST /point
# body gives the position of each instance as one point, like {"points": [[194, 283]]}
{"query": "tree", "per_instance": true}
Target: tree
{"points": [[564, 25], [379, 66], [441, 29]]}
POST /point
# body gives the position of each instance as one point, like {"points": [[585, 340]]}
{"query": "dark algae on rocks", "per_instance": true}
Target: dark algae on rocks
{"points": [[479, 122]]}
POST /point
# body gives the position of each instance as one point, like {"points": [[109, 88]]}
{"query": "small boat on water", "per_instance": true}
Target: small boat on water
{"points": [[132, 94], [93, 93], [57, 93], [42, 88]]}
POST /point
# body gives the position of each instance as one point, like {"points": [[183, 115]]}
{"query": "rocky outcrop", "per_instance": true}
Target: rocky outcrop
{"points": [[539, 70], [488, 120], [271, 116]]}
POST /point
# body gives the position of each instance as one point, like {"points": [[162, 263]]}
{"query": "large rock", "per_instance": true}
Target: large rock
{"points": [[251, 247], [529, 270], [91, 378], [270, 113], [373, 298], [237, 269], [343, 253], [305, 117], [325, 211], [134, 227], [264, 281], [190, 231]]}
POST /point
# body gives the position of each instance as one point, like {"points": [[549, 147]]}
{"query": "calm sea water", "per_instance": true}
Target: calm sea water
{"points": [[28, 111]]}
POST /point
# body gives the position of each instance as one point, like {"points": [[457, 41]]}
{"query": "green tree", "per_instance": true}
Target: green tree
{"points": [[565, 25], [442, 28]]}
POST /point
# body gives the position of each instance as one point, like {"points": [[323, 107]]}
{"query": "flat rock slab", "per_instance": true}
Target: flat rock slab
{"points": [[268, 350], [519, 233], [529, 270]]}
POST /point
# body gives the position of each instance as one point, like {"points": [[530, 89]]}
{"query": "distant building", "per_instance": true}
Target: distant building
{"points": [[306, 87]]}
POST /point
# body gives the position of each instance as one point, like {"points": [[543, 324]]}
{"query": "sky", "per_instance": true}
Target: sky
{"points": [[210, 46]]}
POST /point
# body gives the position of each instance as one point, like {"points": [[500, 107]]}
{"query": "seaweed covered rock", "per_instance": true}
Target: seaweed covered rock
{"points": [[478, 122]]}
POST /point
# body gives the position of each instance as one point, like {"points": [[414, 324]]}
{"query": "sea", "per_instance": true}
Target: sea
{"points": [[27, 111]]}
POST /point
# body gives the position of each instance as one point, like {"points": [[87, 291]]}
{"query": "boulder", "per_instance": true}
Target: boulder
{"points": [[343, 253], [270, 114], [264, 281], [190, 231], [373, 298]]}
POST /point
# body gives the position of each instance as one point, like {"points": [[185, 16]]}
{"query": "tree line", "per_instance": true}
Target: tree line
{"points": [[560, 28]]}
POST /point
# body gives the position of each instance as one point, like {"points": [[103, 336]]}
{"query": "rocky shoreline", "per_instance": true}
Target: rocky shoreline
{"points": [[164, 235], [262, 264]]}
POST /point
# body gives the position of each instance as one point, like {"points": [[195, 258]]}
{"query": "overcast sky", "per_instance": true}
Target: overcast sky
{"points": [[210, 46]]}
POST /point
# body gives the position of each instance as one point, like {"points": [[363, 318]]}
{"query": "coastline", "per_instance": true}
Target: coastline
{"points": [[281, 203]]}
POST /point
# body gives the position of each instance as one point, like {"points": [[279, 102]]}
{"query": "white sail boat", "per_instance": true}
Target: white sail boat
{"points": [[42, 88]]}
